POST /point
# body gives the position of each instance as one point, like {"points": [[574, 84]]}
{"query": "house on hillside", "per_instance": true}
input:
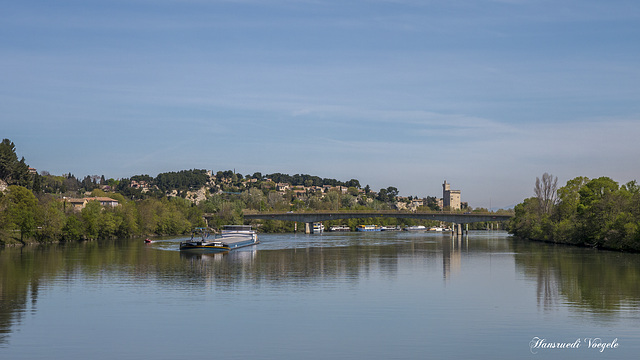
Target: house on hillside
{"points": [[415, 204], [340, 189], [79, 204], [299, 192], [76, 204], [281, 187]]}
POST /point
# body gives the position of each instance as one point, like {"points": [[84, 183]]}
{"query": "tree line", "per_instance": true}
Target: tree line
{"points": [[588, 212], [32, 207]]}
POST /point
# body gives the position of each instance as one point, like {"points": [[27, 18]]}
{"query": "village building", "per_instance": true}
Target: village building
{"points": [[79, 204]]}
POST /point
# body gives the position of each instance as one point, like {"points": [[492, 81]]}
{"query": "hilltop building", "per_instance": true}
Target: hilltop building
{"points": [[450, 198]]}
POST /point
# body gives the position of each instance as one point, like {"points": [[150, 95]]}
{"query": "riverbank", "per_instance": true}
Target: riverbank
{"points": [[577, 245], [594, 213]]}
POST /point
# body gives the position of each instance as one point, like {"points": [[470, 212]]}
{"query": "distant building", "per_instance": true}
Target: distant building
{"points": [[282, 186], [139, 184], [450, 198], [79, 204], [340, 189]]}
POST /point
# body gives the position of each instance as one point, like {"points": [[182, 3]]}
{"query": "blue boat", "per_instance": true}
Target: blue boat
{"points": [[368, 228], [231, 237]]}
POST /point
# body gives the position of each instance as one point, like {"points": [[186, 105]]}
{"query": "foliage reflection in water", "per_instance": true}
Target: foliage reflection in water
{"points": [[347, 295]]}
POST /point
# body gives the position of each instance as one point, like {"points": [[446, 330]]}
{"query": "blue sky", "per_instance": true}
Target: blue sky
{"points": [[486, 94]]}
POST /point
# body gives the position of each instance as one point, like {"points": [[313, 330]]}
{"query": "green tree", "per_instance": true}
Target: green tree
{"points": [[22, 207], [353, 183], [595, 212], [566, 211], [597, 209], [108, 224], [253, 198], [129, 223], [12, 171], [72, 229], [527, 221], [569, 197], [8, 159], [50, 216], [91, 219]]}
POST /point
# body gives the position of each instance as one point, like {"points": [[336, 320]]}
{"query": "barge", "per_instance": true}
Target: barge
{"points": [[231, 237]]}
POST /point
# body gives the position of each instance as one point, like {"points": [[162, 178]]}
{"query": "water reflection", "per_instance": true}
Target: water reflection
{"points": [[583, 279], [451, 254], [594, 280]]}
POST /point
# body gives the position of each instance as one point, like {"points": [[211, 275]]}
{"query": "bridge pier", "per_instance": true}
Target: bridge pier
{"points": [[308, 228], [457, 229]]}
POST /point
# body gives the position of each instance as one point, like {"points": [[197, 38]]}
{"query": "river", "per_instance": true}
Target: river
{"points": [[385, 295]]}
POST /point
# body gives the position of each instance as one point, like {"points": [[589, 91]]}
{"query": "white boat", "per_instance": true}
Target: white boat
{"points": [[416, 228], [318, 227], [340, 228], [390, 228]]}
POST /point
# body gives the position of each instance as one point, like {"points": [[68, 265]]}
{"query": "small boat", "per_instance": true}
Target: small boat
{"points": [[231, 237], [147, 241], [318, 227]]}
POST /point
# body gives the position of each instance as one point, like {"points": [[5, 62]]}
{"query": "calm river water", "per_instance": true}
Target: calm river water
{"points": [[388, 295]]}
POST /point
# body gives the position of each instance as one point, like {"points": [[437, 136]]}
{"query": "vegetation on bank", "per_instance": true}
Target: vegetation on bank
{"points": [[588, 212], [33, 206]]}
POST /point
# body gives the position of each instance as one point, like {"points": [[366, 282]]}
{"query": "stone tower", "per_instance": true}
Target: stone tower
{"points": [[450, 198]]}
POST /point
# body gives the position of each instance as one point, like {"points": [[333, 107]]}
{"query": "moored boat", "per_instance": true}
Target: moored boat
{"points": [[368, 228], [416, 228], [231, 237], [340, 228], [389, 228]]}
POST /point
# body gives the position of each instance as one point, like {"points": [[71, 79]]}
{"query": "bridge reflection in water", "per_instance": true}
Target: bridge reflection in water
{"points": [[310, 217]]}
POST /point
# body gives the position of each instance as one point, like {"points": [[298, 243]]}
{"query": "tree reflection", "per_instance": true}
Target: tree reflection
{"points": [[596, 280]]}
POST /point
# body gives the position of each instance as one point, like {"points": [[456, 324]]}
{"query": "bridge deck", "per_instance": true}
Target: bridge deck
{"points": [[308, 217]]}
